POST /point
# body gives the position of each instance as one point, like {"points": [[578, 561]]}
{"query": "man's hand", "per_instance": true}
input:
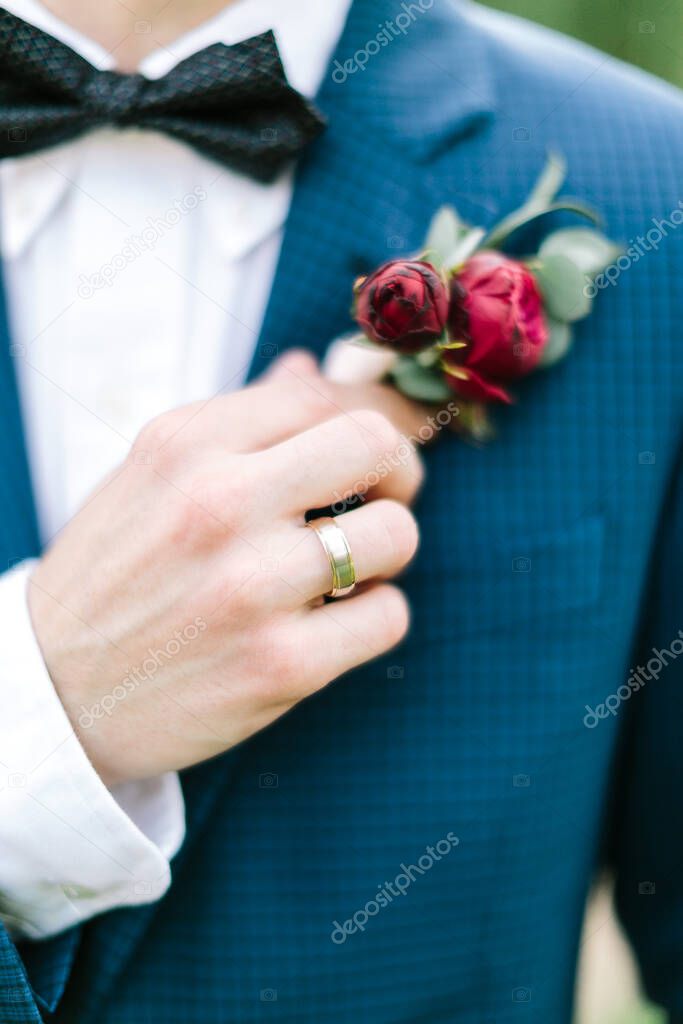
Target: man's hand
{"points": [[179, 612]]}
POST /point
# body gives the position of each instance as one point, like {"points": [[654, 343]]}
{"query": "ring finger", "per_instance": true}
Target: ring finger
{"points": [[382, 537]]}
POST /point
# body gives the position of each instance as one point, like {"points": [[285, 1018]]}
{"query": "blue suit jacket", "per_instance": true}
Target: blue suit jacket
{"points": [[552, 562]]}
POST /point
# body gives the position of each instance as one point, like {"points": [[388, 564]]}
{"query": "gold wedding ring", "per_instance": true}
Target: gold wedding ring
{"points": [[333, 540]]}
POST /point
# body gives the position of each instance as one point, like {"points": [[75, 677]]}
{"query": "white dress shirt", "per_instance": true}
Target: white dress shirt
{"points": [[137, 274]]}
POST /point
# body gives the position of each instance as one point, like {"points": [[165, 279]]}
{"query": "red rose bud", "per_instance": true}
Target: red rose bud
{"points": [[497, 309], [403, 305]]}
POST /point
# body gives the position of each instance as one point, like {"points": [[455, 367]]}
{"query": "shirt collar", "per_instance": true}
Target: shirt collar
{"points": [[306, 32]]}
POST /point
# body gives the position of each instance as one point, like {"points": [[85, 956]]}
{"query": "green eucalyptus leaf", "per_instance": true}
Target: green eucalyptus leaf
{"points": [[419, 382], [559, 343], [530, 212], [550, 182], [444, 232], [541, 199], [563, 287], [467, 244], [590, 250]]}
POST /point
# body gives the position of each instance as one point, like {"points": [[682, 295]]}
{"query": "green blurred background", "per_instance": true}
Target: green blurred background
{"points": [[648, 33], [645, 32]]}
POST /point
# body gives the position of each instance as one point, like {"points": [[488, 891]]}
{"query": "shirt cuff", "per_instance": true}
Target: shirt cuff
{"points": [[71, 848]]}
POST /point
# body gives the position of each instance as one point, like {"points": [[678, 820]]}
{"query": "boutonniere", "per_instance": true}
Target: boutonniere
{"points": [[463, 318]]}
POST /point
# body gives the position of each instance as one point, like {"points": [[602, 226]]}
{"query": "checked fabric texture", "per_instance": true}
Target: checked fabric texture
{"points": [[551, 563], [233, 103]]}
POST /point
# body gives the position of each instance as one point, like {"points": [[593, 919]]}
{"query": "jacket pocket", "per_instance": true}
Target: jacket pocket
{"points": [[491, 585]]}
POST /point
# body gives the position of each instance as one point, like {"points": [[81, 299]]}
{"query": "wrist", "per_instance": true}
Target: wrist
{"points": [[51, 621]]}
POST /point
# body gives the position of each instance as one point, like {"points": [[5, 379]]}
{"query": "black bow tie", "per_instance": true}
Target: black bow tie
{"points": [[232, 103]]}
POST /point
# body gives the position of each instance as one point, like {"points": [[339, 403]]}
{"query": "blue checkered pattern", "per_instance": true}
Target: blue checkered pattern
{"points": [[551, 563]]}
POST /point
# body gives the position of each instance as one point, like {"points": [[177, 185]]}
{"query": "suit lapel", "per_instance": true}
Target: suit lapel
{"points": [[364, 194], [365, 191], [334, 233]]}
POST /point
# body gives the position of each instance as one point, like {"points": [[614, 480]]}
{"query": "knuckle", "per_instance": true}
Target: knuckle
{"points": [[187, 523], [225, 494], [206, 508], [239, 594], [378, 431], [267, 590], [155, 434], [236, 596]]}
